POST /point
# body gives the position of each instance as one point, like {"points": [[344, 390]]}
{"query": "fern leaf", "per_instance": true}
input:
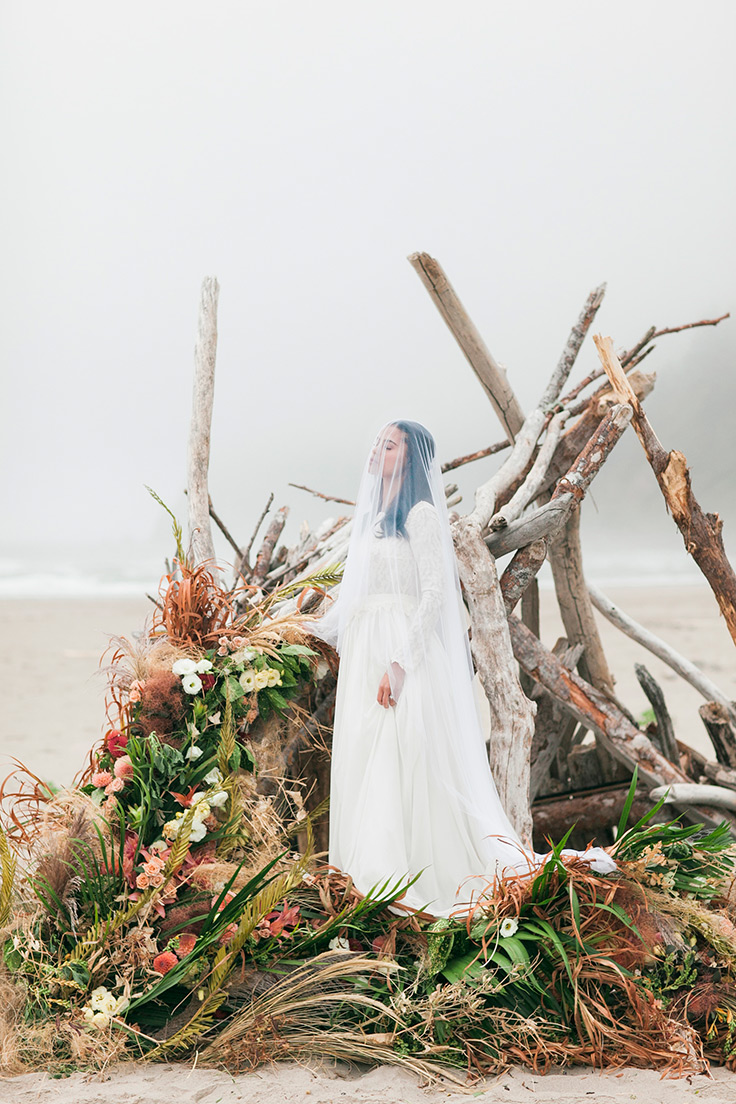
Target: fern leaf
{"points": [[8, 865]]}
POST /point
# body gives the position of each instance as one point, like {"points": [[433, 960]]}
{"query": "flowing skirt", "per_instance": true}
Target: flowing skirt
{"points": [[401, 804]]}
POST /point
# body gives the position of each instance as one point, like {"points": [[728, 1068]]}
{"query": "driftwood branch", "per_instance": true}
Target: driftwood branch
{"points": [[491, 374], [566, 560], [521, 571], [591, 708], [570, 490], [691, 793], [200, 532], [572, 348], [225, 531], [326, 498], [243, 565], [718, 726], [663, 651], [665, 738], [700, 531], [512, 714], [263, 559], [450, 465], [534, 481]]}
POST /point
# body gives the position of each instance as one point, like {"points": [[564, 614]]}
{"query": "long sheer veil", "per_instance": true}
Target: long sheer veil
{"points": [[401, 557]]}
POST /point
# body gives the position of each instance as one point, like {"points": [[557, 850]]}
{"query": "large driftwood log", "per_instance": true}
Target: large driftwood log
{"points": [[263, 559], [690, 793], [593, 813], [512, 714], [521, 572], [491, 374], [200, 531], [663, 651], [700, 531], [534, 481]]}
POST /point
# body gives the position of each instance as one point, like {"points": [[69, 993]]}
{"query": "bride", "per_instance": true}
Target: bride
{"points": [[411, 790]]}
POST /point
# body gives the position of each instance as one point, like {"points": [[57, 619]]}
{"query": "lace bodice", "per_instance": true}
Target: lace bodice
{"points": [[411, 568]]}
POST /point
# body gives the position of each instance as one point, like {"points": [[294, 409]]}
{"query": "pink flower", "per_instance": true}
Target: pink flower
{"points": [[142, 881], [224, 648], [124, 768], [164, 962], [156, 879], [115, 786], [153, 867], [102, 778], [134, 694], [186, 944]]}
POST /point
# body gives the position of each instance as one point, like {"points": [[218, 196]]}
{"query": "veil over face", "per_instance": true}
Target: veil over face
{"points": [[400, 598]]}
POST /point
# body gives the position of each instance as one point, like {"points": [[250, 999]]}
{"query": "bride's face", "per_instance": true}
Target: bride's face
{"points": [[388, 453]]}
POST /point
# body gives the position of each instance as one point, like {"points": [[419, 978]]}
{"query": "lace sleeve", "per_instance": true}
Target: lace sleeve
{"points": [[423, 528]]}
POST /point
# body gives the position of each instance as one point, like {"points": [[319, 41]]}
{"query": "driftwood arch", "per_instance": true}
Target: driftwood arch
{"points": [[542, 701]]}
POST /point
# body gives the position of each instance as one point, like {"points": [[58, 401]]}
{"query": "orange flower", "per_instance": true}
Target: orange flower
{"points": [[142, 881], [164, 962]]}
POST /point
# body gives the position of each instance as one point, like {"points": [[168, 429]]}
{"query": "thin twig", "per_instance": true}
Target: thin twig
{"points": [[327, 498], [458, 463], [154, 600], [244, 560], [224, 530], [632, 357]]}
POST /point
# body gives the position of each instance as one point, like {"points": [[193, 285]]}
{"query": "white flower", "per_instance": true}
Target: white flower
{"points": [[201, 811], [261, 679], [192, 729], [171, 829], [198, 832], [218, 799], [248, 680], [157, 845], [195, 800], [274, 678], [98, 997], [194, 753], [213, 778], [184, 667], [191, 684], [214, 719], [203, 666], [508, 927], [339, 944]]}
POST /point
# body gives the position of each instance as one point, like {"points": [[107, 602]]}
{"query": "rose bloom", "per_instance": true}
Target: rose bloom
{"points": [[124, 768], [153, 867], [156, 880], [102, 778], [116, 743], [115, 786], [164, 962], [142, 881]]}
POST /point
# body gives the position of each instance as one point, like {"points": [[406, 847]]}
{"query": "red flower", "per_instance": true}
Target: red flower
{"points": [[208, 681], [164, 962], [116, 743]]}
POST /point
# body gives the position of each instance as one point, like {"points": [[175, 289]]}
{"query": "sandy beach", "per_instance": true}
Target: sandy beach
{"points": [[52, 712]]}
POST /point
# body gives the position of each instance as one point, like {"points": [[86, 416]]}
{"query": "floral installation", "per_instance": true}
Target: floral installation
{"points": [[159, 908]]}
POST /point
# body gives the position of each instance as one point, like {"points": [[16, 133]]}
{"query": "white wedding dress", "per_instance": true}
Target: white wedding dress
{"points": [[398, 804]]}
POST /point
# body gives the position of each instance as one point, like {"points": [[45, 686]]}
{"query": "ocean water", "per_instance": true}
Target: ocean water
{"points": [[83, 575]]}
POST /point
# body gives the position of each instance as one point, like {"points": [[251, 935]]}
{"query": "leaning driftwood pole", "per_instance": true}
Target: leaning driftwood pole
{"points": [[700, 531], [200, 531], [490, 373]]}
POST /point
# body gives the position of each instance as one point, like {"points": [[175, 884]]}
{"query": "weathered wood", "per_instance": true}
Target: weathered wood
{"points": [[521, 572], [534, 481], [566, 559], [690, 793], [225, 531], [591, 708], [701, 532], [200, 532], [663, 651], [491, 374], [263, 559], [594, 814], [570, 490], [665, 738], [717, 722], [572, 347], [553, 727], [512, 714], [459, 461]]}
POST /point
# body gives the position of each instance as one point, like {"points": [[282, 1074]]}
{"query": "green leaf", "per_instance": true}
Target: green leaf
{"points": [[623, 819], [466, 966], [297, 650]]}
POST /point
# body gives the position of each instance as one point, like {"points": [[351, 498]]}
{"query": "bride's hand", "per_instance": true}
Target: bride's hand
{"points": [[384, 687]]}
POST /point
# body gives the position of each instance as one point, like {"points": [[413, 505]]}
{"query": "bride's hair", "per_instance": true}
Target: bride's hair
{"points": [[414, 478]]}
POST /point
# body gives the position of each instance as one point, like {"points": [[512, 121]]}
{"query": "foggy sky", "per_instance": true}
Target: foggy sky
{"points": [[299, 152]]}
